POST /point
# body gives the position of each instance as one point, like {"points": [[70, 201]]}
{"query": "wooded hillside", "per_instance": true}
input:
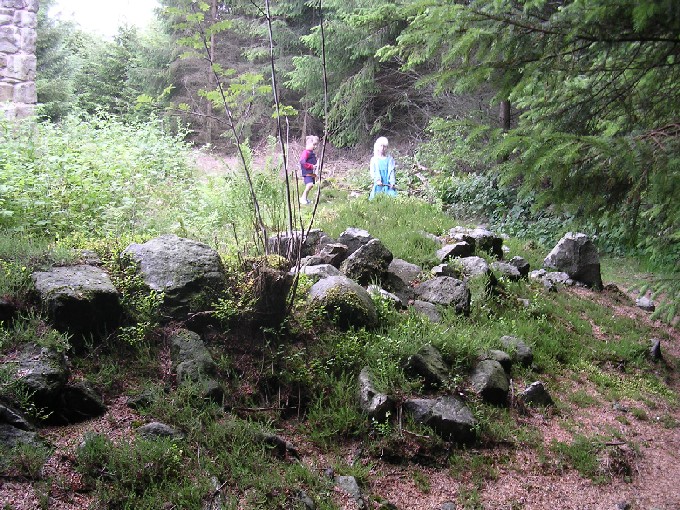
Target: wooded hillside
{"points": [[571, 105]]}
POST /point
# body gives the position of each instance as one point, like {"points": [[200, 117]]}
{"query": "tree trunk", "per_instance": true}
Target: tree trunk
{"points": [[504, 120], [304, 127], [504, 115], [210, 123]]}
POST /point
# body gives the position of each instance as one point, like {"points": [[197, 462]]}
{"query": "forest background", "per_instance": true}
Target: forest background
{"points": [[533, 116]]}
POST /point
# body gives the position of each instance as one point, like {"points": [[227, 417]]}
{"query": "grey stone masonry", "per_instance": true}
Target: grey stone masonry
{"points": [[18, 21]]}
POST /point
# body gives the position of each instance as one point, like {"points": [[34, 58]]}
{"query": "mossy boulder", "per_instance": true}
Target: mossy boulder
{"points": [[190, 274], [345, 301], [80, 300]]}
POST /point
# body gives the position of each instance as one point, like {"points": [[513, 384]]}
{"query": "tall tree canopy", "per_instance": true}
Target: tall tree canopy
{"points": [[597, 87], [594, 85]]}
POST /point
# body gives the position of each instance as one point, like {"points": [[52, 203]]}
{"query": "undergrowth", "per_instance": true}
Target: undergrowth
{"points": [[298, 379]]}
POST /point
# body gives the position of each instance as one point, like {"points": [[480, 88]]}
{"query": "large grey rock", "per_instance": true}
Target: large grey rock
{"points": [[429, 365], [576, 255], [536, 394], [521, 264], [345, 301], [455, 250], [349, 485], [501, 356], [506, 270], [404, 270], [80, 300], [76, 403], [44, 372], [479, 238], [375, 404], [447, 415], [320, 271], [459, 235], [15, 418], [490, 381], [193, 363], [290, 244], [487, 241], [551, 280], [473, 266], [354, 238], [155, 430], [451, 270], [368, 263], [645, 303], [11, 437], [89, 257], [397, 286], [446, 291], [189, 273], [518, 350], [333, 254], [427, 309]]}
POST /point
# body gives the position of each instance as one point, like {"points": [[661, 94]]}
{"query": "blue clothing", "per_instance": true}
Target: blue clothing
{"points": [[383, 176]]}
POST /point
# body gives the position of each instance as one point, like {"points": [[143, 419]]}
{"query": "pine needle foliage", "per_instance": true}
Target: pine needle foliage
{"points": [[365, 93], [595, 87]]}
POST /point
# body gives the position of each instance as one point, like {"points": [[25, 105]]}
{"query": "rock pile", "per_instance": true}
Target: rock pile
{"points": [[187, 275]]}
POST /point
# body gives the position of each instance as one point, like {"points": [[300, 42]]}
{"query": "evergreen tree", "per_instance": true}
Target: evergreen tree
{"points": [[597, 83], [55, 64], [109, 77], [366, 95]]}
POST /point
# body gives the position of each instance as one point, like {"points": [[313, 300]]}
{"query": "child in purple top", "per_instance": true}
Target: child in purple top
{"points": [[308, 166]]}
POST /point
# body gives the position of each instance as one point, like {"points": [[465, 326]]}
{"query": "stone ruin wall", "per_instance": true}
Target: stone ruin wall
{"points": [[18, 21]]}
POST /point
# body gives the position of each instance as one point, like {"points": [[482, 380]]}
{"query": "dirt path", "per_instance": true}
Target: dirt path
{"points": [[337, 165]]}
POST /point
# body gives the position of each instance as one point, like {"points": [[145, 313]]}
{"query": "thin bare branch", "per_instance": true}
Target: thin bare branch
{"points": [[260, 226]]}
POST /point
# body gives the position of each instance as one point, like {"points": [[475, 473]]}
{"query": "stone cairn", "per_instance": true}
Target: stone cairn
{"points": [[18, 20]]}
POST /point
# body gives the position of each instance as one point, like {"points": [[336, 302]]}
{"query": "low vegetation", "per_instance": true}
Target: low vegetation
{"points": [[100, 185]]}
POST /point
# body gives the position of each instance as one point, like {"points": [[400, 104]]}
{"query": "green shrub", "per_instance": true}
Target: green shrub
{"points": [[32, 328], [334, 414], [24, 460], [141, 473], [480, 198], [95, 176]]}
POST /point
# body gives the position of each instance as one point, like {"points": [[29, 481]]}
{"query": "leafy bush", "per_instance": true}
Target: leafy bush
{"points": [[141, 473], [31, 328], [334, 415], [481, 198], [224, 212], [94, 176], [24, 460]]}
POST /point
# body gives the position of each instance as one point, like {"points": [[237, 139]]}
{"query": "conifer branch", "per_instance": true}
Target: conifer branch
{"points": [[626, 38]]}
